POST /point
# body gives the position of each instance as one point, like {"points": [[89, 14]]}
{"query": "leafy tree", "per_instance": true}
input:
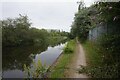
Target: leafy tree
{"points": [[82, 23], [15, 31], [18, 31], [108, 43]]}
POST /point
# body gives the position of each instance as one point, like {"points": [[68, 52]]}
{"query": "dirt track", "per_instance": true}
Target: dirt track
{"points": [[78, 59]]}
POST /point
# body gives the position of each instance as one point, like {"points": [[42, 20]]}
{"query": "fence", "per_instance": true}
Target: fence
{"points": [[102, 29]]}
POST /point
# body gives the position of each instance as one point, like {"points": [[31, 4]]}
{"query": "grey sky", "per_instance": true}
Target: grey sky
{"points": [[44, 14]]}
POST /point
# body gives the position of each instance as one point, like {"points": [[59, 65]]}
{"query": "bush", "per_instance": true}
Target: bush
{"points": [[69, 47], [37, 70], [105, 71], [68, 50], [109, 43], [101, 58]]}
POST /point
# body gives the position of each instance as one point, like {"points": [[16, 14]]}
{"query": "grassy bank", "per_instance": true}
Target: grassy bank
{"points": [[92, 55], [64, 60], [94, 60], [96, 66]]}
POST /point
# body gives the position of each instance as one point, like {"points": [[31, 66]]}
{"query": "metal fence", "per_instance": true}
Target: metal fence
{"points": [[102, 29]]}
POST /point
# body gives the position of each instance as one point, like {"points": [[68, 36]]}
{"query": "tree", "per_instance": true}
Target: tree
{"points": [[82, 23]]}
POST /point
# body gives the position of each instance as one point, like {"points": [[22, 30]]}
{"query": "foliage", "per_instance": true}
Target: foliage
{"points": [[93, 56], [100, 63], [69, 48], [83, 22], [109, 44], [108, 11], [87, 18], [11, 26], [103, 71], [37, 70], [103, 57], [18, 31], [53, 41], [18, 34]]}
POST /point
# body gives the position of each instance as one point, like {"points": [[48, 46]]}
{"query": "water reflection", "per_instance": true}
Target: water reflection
{"points": [[13, 59], [53, 44], [49, 56], [16, 57]]}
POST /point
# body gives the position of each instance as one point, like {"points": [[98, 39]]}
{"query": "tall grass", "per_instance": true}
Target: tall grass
{"points": [[37, 70], [92, 54], [96, 67]]}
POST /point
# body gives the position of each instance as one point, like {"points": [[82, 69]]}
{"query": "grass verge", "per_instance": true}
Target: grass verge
{"points": [[96, 68], [92, 55], [63, 61]]}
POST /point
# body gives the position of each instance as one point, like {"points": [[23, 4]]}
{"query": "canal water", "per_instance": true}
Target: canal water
{"points": [[15, 58]]}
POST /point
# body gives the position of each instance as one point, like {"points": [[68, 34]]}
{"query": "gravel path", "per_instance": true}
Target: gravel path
{"points": [[78, 59]]}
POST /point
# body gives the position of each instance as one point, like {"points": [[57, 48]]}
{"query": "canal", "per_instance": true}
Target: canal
{"points": [[15, 58]]}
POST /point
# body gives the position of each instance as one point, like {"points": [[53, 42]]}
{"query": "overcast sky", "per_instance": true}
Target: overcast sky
{"points": [[48, 14]]}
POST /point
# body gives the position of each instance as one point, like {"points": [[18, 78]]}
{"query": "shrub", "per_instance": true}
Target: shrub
{"points": [[37, 70], [69, 47], [103, 60]]}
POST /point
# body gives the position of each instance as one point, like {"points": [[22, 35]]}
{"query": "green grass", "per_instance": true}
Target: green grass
{"points": [[92, 54], [69, 48], [64, 60], [96, 68], [94, 60]]}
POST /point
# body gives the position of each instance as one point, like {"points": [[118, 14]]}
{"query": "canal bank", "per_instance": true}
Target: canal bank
{"points": [[69, 62], [17, 57], [57, 70]]}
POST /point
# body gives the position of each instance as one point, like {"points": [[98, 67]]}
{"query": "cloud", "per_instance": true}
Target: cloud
{"points": [[40, 0], [56, 14]]}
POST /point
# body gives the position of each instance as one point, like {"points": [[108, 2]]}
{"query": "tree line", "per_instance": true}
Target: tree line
{"points": [[18, 31], [88, 18], [108, 46]]}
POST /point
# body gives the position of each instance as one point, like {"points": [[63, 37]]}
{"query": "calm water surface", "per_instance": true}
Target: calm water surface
{"points": [[15, 58]]}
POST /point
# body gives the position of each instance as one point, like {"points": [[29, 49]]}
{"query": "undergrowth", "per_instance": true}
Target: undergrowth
{"points": [[101, 62], [64, 60]]}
